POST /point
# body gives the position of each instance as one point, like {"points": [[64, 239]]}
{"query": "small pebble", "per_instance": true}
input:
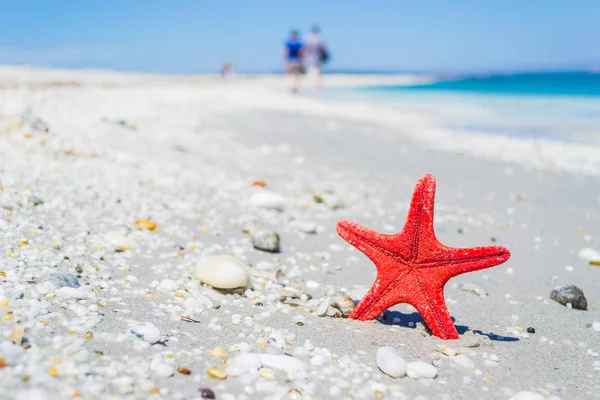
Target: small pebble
{"points": [[206, 393], [531, 329], [266, 241], [35, 201], [217, 373], [63, 279], [420, 369], [472, 288]]}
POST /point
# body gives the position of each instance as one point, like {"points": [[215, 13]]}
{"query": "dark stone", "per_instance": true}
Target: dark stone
{"points": [[36, 201], [62, 279], [569, 294], [531, 329], [206, 393]]}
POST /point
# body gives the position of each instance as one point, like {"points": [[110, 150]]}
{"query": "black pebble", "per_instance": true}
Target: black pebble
{"points": [[531, 329], [493, 239], [459, 230], [206, 393]]}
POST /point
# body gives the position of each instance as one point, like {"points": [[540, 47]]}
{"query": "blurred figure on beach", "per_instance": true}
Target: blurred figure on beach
{"points": [[227, 72], [292, 57], [315, 55]]}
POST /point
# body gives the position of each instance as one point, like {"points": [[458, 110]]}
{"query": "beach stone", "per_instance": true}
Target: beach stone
{"points": [[472, 288], [223, 272], [390, 362], [525, 395], [269, 200], [35, 201], [331, 200], [266, 241], [596, 326], [308, 227], [62, 279], [569, 294], [420, 369], [206, 393]]}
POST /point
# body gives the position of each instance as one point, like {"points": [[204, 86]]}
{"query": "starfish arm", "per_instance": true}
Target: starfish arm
{"points": [[376, 246], [450, 262], [384, 294], [419, 221], [430, 303]]}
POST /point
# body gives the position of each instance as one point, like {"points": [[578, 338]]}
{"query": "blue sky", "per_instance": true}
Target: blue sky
{"points": [[187, 36]]}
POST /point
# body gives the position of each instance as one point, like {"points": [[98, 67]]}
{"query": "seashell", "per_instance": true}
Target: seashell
{"points": [[223, 272], [390, 362]]}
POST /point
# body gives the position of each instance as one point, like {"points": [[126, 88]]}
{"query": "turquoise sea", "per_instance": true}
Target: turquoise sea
{"points": [[553, 106]]}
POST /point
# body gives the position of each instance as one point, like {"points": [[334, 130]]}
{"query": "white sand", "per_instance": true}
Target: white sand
{"points": [[188, 165]]}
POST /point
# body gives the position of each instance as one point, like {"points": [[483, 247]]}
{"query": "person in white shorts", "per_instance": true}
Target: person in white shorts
{"points": [[315, 55]]}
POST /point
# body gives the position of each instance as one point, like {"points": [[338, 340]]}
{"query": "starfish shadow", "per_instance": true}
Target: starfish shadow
{"points": [[495, 337], [411, 320]]}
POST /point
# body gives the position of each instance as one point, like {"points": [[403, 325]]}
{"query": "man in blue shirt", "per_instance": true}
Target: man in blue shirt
{"points": [[293, 52]]}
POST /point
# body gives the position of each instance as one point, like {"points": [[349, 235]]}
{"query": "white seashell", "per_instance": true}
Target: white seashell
{"points": [[463, 361], [342, 302], [265, 199], [222, 272], [527, 396], [390, 362], [148, 332], [244, 363], [589, 254], [73, 293], [161, 368], [420, 369], [118, 241], [285, 363], [322, 309], [308, 227]]}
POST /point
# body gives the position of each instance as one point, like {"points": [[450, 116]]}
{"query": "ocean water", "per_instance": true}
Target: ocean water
{"points": [[552, 106]]}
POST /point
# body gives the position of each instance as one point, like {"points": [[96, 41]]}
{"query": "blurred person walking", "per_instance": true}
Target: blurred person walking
{"points": [[293, 50], [315, 55]]}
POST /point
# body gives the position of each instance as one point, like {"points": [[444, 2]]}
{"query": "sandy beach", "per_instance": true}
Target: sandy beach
{"points": [[114, 187]]}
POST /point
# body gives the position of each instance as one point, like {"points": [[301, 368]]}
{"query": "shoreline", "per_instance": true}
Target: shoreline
{"points": [[268, 92]]}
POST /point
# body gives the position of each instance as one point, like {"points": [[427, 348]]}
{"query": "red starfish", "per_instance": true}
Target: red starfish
{"points": [[413, 266]]}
